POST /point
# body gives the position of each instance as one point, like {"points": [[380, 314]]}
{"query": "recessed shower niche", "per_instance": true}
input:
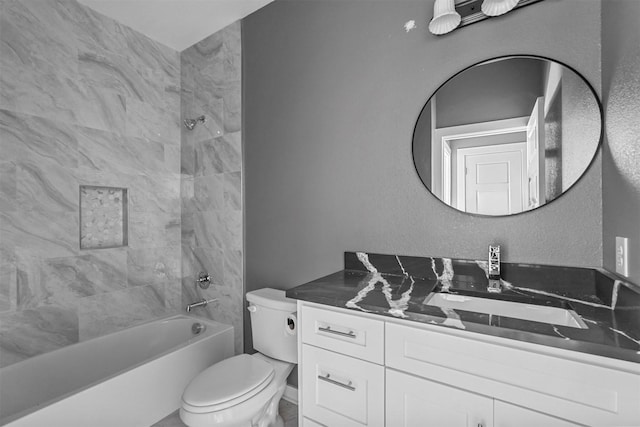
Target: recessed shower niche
{"points": [[103, 217]]}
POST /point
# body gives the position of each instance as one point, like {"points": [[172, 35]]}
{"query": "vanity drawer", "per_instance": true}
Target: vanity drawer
{"points": [[344, 333], [341, 391], [547, 381]]}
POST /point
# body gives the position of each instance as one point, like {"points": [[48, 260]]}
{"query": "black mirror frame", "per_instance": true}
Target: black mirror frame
{"points": [[593, 158]]}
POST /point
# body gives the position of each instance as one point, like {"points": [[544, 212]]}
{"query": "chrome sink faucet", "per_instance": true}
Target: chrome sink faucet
{"points": [[493, 269]]}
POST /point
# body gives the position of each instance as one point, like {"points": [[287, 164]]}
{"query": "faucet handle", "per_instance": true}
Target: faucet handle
{"points": [[494, 262]]}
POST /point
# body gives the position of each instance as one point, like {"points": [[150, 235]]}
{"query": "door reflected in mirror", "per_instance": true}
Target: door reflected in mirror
{"points": [[507, 135]]}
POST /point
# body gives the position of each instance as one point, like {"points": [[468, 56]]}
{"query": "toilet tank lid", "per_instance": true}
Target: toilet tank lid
{"points": [[271, 298]]}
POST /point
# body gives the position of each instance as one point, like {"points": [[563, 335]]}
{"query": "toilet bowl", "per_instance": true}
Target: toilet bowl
{"points": [[244, 390]]}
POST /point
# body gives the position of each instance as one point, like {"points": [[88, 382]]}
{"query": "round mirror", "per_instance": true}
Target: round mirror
{"points": [[507, 135]]}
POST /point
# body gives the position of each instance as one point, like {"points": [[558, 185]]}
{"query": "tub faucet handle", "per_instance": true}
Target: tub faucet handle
{"points": [[203, 280]]}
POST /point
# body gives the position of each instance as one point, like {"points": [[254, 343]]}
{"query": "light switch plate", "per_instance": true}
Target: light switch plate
{"points": [[622, 256]]}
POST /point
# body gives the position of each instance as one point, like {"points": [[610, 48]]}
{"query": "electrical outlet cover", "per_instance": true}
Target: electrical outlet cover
{"points": [[622, 256]]}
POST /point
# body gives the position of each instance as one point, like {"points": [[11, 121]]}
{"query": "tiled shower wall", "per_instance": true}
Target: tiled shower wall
{"points": [[84, 101], [212, 177]]}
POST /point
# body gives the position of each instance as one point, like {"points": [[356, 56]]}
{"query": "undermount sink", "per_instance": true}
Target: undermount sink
{"points": [[516, 310]]}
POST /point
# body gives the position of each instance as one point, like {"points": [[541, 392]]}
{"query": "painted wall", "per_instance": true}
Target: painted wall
{"points": [[212, 177], [578, 127], [621, 159], [331, 94], [83, 100], [495, 91]]}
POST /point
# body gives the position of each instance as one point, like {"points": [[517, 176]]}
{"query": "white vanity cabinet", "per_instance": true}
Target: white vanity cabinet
{"points": [[341, 369], [414, 401], [428, 375]]}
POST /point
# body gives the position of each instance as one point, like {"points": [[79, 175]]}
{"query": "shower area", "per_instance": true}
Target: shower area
{"points": [[120, 177]]}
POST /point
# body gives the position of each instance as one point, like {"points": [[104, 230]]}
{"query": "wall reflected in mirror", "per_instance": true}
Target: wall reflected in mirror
{"points": [[507, 135]]}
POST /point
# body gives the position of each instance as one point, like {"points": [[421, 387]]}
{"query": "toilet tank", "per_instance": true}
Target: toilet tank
{"points": [[273, 324]]}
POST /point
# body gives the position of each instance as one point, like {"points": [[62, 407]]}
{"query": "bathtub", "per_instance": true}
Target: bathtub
{"points": [[134, 377]]}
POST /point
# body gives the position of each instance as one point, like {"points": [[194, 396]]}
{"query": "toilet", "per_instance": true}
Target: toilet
{"points": [[244, 390]]}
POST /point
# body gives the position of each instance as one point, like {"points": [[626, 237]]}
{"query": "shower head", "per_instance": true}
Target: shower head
{"points": [[191, 123]]}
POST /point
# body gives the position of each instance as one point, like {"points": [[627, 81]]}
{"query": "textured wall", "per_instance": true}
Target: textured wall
{"points": [[332, 92], [83, 101], [212, 176], [621, 160], [578, 127]]}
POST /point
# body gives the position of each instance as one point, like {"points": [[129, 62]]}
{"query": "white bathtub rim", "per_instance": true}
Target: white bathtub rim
{"points": [[221, 328]]}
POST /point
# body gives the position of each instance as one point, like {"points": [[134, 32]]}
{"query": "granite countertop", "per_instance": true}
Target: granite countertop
{"points": [[398, 286]]}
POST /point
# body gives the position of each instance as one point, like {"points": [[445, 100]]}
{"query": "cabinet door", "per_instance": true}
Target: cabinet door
{"points": [[306, 422], [340, 391], [413, 401], [507, 415]]}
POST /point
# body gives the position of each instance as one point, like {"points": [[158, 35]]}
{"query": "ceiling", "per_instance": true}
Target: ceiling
{"points": [[176, 23]]}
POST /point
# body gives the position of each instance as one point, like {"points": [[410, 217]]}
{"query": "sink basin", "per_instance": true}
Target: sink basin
{"points": [[516, 310]]}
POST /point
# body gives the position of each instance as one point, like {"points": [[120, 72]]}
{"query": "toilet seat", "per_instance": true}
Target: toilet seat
{"points": [[227, 383]]}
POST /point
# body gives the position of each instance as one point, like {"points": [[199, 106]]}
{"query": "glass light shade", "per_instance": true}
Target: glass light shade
{"points": [[445, 17], [497, 7]]}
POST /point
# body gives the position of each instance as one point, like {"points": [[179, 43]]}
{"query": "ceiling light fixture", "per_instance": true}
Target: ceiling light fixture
{"points": [[445, 18], [497, 7], [451, 14]]}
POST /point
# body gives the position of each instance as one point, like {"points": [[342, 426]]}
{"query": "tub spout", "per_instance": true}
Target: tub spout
{"points": [[202, 303]]}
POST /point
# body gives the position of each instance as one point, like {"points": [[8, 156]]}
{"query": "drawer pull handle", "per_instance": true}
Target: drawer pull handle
{"points": [[328, 329], [327, 378]]}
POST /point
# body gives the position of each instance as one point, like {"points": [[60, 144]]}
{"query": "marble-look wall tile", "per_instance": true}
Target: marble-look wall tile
{"points": [[232, 52], [146, 120], [39, 232], [46, 187], [207, 227], [232, 108], [187, 194], [150, 229], [208, 159], [211, 180], [187, 154], [153, 55], [7, 186], [232, 230], [209, 192], [51, 46], [231, 148], [27, 333], [153, 266], [195, 260], [31, 138], [105, 313], [205, 52], [64, 281], [155, 192], [84, 100], [233, 275], [172, 159], [223, 154], [104, 151], [114, 72], [61, 98], [8, 284], [233, 191]]}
